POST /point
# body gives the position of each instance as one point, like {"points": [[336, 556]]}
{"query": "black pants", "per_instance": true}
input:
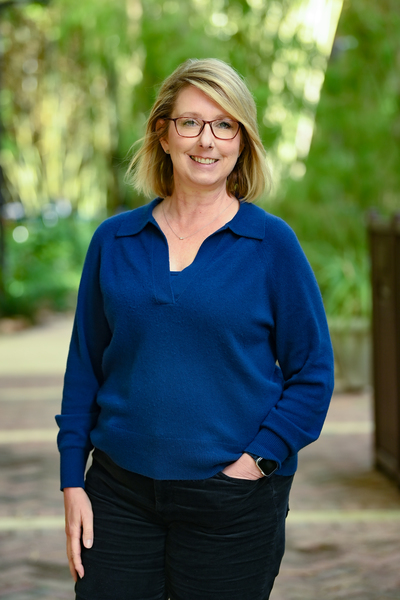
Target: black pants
{"points": [[213, 539]]}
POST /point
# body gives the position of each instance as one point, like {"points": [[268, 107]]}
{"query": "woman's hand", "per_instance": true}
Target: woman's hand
{"points": [[78, 525], [243, 468]]}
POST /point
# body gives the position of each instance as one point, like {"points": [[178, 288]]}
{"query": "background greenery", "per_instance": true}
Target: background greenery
{"points": [[354, 161], [79, 79]]}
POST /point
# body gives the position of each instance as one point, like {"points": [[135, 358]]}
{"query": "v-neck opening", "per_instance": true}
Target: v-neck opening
{"points": [[169, 288], [226, 225], [170, 285]]}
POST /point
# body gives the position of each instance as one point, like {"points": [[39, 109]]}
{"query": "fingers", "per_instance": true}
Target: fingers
{"points": [[87, 526], [243, 468], [70, 561], [74, 551], [78, 526]]}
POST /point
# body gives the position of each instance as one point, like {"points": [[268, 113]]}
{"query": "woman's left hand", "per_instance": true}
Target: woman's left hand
{"points": [[243, 468]]}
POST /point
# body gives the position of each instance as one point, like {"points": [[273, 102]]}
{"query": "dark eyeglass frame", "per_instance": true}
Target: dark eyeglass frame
{"points": [[202, 127]]}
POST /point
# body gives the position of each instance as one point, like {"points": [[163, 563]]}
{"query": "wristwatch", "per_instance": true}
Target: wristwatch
{"points": [[266, 466]]}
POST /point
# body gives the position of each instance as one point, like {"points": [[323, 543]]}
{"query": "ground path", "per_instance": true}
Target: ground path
{"points": [[343, 534]]}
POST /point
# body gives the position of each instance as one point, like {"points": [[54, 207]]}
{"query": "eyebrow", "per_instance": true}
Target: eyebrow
{"points": [[198, 115]]}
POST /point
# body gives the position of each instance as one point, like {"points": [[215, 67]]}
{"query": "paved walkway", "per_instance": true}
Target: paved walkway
{"points": [[343, 533]]}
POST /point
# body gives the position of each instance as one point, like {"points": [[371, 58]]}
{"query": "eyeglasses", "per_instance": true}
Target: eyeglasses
{"points": [[222, 129]]}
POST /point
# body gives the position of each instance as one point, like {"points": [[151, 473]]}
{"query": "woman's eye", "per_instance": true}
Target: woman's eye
{"points": [[223, 125], [189, 123]]}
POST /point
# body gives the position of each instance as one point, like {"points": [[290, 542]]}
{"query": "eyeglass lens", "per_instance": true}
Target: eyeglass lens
{"points": [[224, 129]]}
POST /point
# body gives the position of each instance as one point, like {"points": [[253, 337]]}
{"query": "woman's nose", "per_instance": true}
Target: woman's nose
{"points": [[206, 137]]}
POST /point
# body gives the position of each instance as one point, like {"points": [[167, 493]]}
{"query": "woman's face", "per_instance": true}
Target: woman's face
{"points": [[188, 155]]}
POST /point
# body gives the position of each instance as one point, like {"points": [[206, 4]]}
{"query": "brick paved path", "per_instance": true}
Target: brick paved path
{"points": [[343, 533]]}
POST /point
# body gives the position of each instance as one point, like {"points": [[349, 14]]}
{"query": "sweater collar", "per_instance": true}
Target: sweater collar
{"points": [[249, 221]]}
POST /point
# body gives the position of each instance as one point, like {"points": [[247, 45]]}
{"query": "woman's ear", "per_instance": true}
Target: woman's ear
{"points": [[163, 141]]}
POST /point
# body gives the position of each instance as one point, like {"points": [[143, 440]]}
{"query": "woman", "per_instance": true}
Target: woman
{"points": [[186, 308]]}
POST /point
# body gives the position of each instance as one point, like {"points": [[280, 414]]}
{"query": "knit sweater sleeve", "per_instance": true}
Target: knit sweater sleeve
{"points": [[90, 337], [303, 349]]}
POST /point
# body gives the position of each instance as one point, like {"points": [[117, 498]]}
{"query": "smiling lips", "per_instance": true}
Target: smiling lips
{"points": [[204, 161]]}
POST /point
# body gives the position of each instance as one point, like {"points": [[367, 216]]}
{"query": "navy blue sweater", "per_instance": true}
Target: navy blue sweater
{"points": [[176, 377]]}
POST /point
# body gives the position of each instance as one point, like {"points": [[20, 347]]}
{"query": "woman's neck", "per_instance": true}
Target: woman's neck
{"points": [[187, 208]]}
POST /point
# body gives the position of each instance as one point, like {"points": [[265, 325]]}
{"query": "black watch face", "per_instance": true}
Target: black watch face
{"points": [[267, 466]]}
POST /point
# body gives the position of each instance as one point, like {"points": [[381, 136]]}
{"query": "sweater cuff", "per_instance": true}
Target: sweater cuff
{"points": [[72, 467], [268, 445]]}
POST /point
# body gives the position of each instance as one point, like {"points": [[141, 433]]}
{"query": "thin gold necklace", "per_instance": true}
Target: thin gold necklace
{"points": [[201, 228]]}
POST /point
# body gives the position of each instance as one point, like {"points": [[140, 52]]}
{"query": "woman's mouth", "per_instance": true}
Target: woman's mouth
{"points": [[204, 161]]}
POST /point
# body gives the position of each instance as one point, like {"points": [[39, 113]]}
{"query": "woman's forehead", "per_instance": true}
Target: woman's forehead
{"points": [[195, 102]]}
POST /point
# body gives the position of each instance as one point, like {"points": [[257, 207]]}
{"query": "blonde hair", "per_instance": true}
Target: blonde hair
{"points": [[151, 170]]}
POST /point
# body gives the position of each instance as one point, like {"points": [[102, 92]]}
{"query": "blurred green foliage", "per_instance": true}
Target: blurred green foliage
{"points": [[80, 77], [44, 270], [354, 161]]}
